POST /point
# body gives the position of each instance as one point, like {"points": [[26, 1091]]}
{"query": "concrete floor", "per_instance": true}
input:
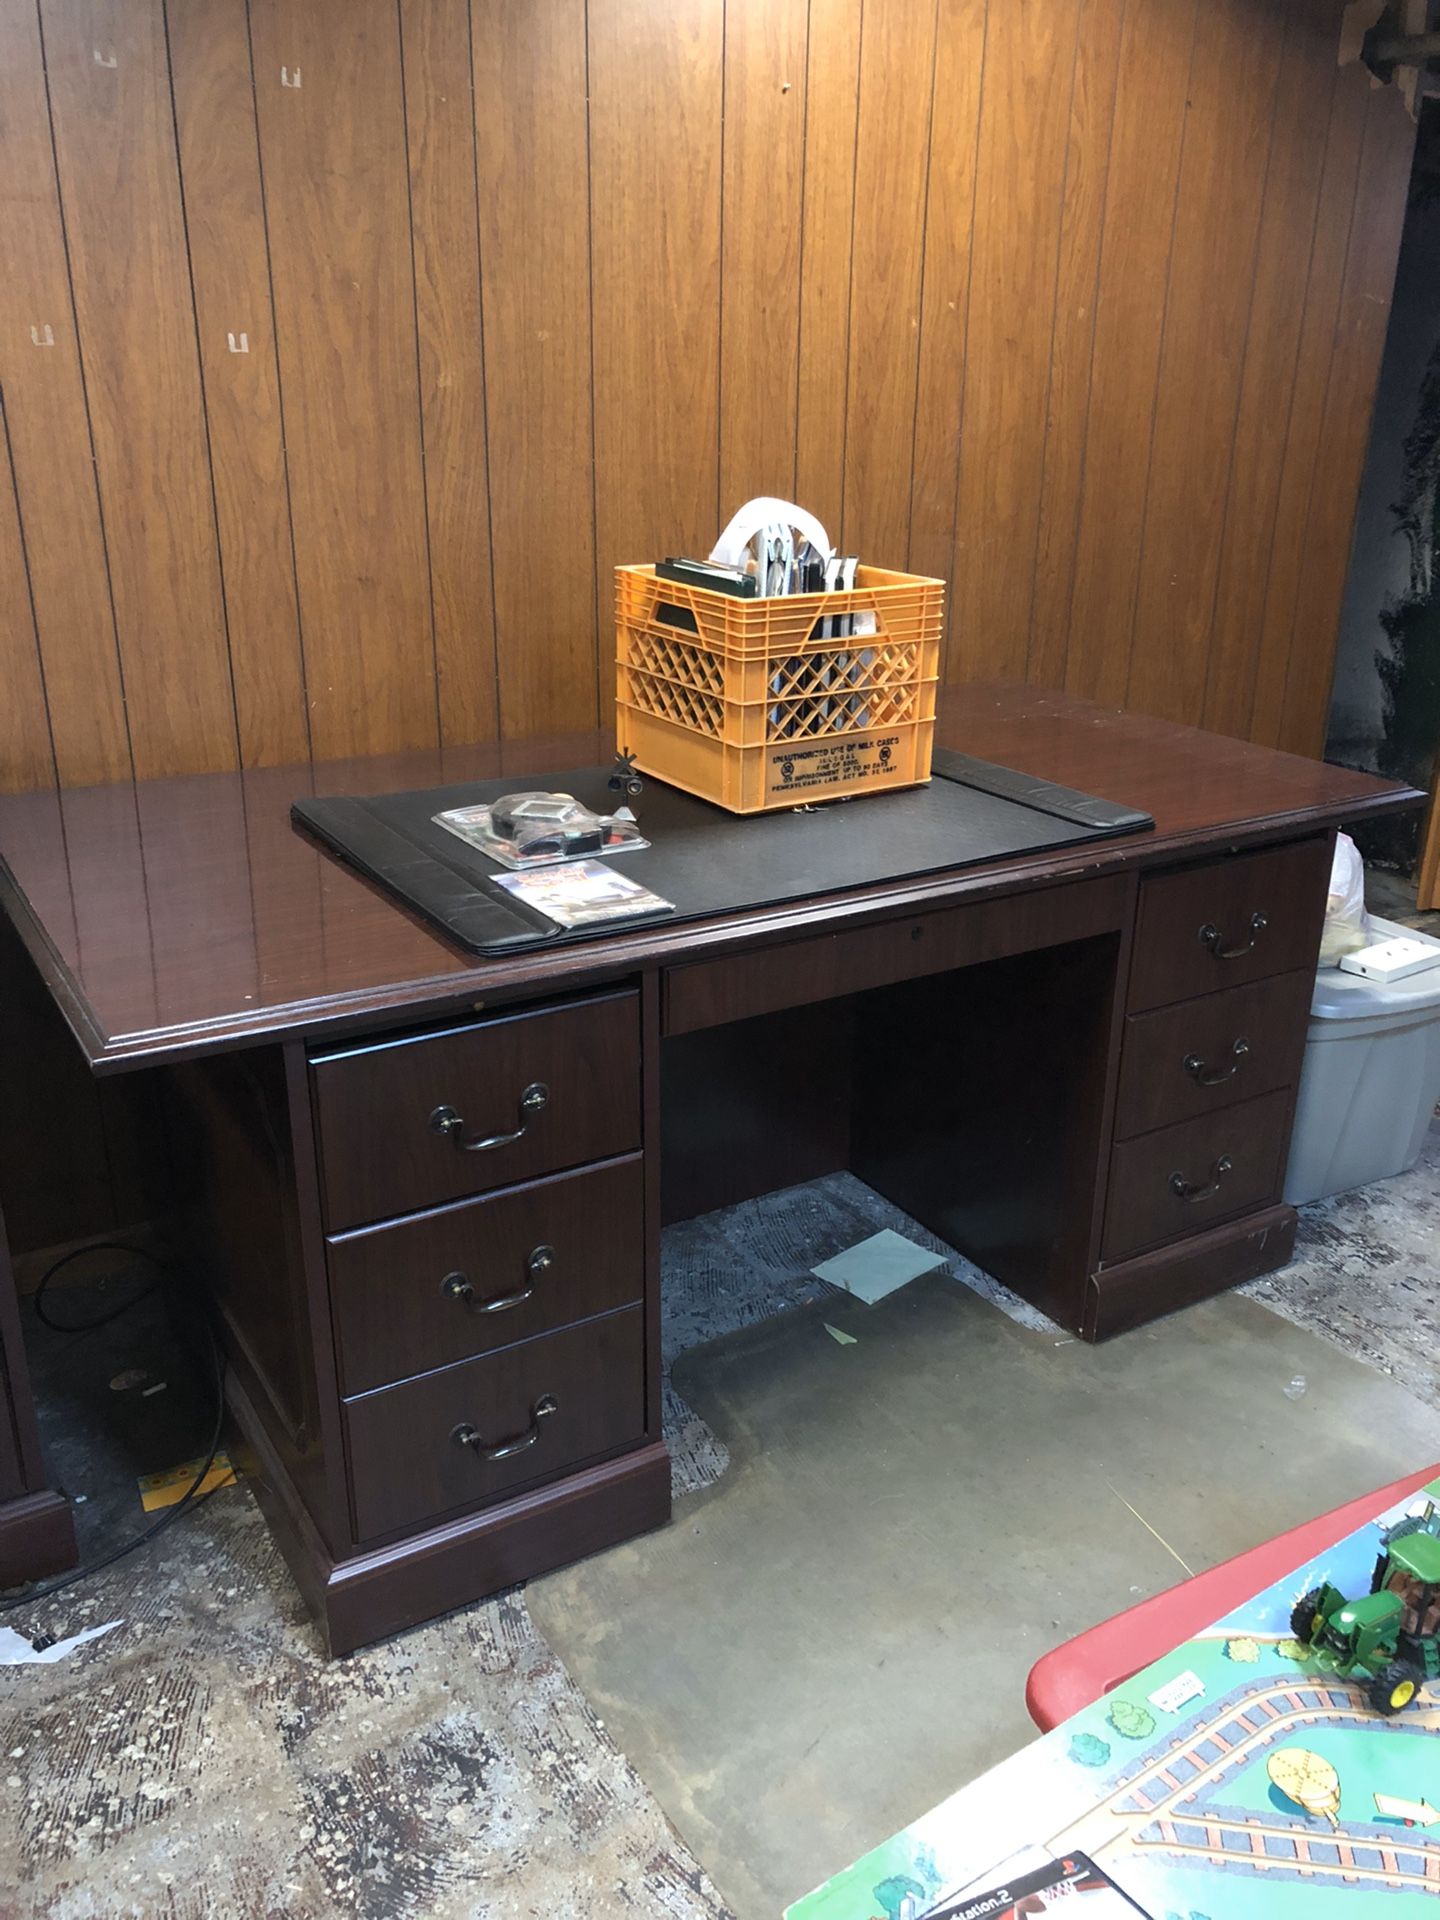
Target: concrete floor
{"points": [[835, 1635], [205, 1760]]}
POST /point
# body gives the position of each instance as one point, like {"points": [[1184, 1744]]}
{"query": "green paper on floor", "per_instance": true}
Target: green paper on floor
{"points": [[875, 1267]]}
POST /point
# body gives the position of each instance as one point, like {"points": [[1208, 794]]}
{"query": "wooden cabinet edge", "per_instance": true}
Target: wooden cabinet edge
{"points": [[37, 1537], [362, 1597], [1161, 1281]]}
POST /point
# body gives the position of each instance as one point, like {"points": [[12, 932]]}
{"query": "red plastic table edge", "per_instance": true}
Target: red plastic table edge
{"points": [[1080, 1670]]}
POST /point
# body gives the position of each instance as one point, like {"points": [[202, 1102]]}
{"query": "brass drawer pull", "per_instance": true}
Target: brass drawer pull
{"points": [[1216, 1077], [456, 1286], [1184, 1189], [1211, 936], [445, 1120], [466, 1435]]}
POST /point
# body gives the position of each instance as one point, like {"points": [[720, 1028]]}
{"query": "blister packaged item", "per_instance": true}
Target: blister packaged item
{"points": [[523, 830]]}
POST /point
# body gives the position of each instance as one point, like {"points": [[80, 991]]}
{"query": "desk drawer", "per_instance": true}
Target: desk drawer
{"points": [[544, 1406], [1232, 921], [1180, 1179], [1211, 1052], [519, 1096], [533, 1259], [797, 973]]}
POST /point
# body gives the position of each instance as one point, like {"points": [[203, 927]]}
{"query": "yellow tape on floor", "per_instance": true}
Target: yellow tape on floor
{"points": [[164, 1489]]}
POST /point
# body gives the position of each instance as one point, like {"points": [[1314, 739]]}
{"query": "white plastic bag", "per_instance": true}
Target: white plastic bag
{"points": [[764, 511], [1347, 927]]}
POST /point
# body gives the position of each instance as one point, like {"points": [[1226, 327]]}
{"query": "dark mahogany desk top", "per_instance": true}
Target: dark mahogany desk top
{"points": [[171, 917]]}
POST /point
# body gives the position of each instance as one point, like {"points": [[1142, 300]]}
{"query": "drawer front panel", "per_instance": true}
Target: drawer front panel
{"points": [[444, 1286], [1228, 923], [798, 973], [531, 1410], [415, 1122], [1181, 1179], [1212, 1052]]}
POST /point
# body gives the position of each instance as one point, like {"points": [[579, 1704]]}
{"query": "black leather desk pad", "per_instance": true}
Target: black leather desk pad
{"points": [[703, 859]]}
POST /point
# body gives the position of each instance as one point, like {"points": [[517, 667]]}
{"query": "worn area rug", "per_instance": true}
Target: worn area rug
{"points": [[1366, 1274], [205, 1762]]}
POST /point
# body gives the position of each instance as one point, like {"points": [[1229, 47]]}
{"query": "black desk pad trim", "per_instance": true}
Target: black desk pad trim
{"points": [[709, 862]]}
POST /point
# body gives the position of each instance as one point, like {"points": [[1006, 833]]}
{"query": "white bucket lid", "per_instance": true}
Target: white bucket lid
{"points": [[1346, 996]]}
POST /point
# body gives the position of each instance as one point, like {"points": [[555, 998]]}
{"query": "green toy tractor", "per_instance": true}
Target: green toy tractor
{"points": [[1389, 1639]]}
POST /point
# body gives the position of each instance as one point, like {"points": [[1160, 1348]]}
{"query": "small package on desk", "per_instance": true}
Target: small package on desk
{"points": [[525, 830], [583, 893]]}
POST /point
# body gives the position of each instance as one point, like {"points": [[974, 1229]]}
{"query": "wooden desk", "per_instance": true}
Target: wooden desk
{"points": [[1079, 1067]]}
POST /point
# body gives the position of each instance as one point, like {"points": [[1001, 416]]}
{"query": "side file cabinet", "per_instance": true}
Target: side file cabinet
{"points": [[1218, 996], [435, 1251], [481, 1188]]}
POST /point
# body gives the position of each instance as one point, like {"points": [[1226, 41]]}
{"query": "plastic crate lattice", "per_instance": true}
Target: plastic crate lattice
{"points": [[763, 703]]}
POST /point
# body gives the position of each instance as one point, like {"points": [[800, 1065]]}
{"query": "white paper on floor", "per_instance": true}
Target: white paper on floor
{"points": [[16, 1650], [877, 1266]]}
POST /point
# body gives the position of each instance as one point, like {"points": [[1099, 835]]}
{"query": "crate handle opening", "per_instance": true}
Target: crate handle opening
{"points": [[669, 615]]}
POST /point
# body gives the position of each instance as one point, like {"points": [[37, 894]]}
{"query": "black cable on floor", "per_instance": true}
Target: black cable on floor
{"points": [[192, 1497], [103, 1319]]}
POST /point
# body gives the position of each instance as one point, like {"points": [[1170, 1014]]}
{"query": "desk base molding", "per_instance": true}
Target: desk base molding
{"points": [[369, 1595], [37, 1537], [1134, 1291]]}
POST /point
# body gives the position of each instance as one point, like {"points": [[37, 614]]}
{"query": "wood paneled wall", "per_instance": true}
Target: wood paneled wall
{"points": [[346, 346]]}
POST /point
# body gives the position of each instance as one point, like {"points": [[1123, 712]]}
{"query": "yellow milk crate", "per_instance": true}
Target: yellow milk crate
{"points": [[779, 702]]}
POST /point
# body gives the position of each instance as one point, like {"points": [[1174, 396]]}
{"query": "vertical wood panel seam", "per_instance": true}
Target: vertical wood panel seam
{"points": [[1082, 473], [419, 374], [799, 261], [1365, 140], [29, 588], [920, 289], [720, 283], [485, 370], [1160, 354], [84, 389], [597, 641], [969, 309], [200, 375], [1240, 379], [839, 535], [1294, 382], [1094, 327], [279, 386], [1054, 326]]}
